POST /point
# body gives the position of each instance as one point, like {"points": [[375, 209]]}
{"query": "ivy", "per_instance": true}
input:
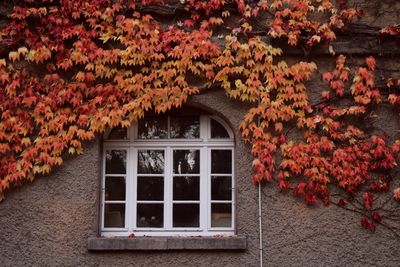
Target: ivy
{"points": [[71, 69]]}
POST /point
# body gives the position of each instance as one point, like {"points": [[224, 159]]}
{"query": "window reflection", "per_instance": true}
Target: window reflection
{"points": [[186, 215], [221, 215], [186, 161], [217, 130], [115, 161], [185, 127], [151, 161], [114, 215], [186, 188], [221, 161], [150, 188], [153, 128], [221, 188], [150, 215], [115, 188]]}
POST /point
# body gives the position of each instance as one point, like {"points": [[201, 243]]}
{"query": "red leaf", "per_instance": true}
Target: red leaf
{"points": [[376, 216], [372, 227], [311, 199], [189, 23], [341, 203], [365, 222], [368, 199], [132, 235], [371, 63], [284, 185]]}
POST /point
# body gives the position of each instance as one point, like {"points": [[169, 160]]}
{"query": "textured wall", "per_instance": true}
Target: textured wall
{"points": [[47, 223]]}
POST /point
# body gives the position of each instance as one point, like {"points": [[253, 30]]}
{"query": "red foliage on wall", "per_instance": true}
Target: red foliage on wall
{"points": [[71, 69]]}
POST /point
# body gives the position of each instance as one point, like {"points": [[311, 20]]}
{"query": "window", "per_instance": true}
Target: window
{"points": [[169, 175]]}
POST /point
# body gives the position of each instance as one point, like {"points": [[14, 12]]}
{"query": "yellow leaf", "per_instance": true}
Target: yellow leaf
{"points": [[278, 127], [25, 141], [125, 123], [225, 14], [13, 56], [23, 51], [80, 76]]}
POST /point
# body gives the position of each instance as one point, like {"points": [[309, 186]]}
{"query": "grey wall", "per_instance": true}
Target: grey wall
{"points": [[47, 223]]}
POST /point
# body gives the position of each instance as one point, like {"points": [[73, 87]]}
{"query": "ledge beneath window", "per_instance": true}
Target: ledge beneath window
{"points": [[167, 243]]}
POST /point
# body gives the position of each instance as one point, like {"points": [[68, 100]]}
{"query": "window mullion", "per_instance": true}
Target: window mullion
{"points": [[204, 177], [168, 189], [133, 183], [131, 187]]}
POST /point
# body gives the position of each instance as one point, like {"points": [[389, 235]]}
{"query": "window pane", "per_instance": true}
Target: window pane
{"points": [[153, 128], [118, 133], [187, 188], [150, 188], [221, 161], [217, 130], [186, 215], [114, 215], [151, 161], [115, 161], [185, 127], [150, 215], [186, 161], [115, 188], [221, 215], [221, 188]]}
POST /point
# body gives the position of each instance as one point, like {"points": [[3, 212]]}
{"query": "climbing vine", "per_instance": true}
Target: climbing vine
{"points": [[71, 69]]}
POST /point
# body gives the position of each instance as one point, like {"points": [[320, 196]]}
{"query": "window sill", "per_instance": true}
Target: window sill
{"points": [[167, 243]]}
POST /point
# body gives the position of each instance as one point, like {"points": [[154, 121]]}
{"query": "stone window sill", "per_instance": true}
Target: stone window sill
{"points": [[167, 243]]}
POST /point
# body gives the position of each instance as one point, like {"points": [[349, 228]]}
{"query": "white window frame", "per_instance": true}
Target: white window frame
{"points": [[205, 144]]}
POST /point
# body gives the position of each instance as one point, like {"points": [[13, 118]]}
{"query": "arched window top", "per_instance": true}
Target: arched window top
{"points": [[186, 123]]}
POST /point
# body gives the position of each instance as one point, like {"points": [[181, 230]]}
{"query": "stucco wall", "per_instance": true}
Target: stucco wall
{"points": [[47, 223]]}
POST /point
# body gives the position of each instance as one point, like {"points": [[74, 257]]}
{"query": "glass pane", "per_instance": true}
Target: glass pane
{"points": [[153, 128], [221, 215], [151, 161], [221, 161], [115, 188], [187, 188], [185, 127], [221, 188], [118, 133], [115, 161], [186, 215], [150, 188], [186, 161], [217, 130], [150, 215], [114, 215]]}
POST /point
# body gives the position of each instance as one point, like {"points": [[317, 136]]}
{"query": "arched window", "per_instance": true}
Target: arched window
{"points": [[169, 174]]}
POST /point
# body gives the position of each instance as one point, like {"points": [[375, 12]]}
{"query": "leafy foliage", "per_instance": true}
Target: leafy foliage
{"points": [[71, 69]]}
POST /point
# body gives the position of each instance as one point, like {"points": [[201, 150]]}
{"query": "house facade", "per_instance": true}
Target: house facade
{"points": [[197, 205], [58, 220]]}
